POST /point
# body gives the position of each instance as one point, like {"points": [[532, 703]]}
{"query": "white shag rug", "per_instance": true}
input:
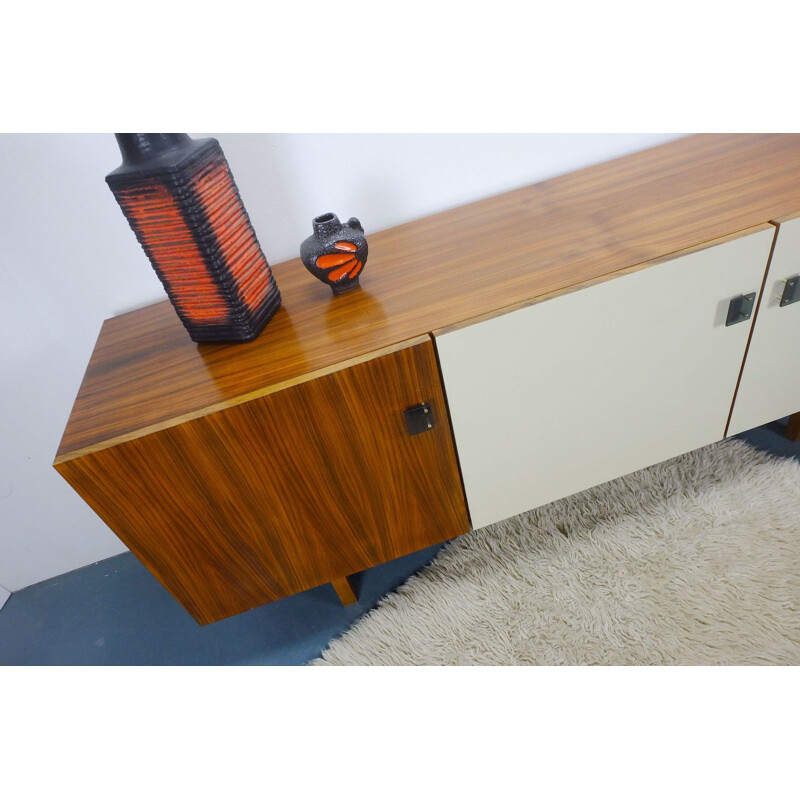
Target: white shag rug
{"points": [[692, 561]]}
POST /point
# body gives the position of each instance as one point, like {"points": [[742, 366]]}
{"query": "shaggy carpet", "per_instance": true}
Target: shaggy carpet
{"points": [[692, 561]]}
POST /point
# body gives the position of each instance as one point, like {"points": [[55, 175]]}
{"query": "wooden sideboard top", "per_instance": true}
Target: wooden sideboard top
{"points": [[145, 374]]}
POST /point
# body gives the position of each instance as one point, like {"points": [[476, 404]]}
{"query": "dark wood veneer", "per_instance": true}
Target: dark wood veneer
{"points": [[287, 491]]}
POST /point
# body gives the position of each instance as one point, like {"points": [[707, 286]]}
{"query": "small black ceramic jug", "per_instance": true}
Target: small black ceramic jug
{"points": [[335, 253]]}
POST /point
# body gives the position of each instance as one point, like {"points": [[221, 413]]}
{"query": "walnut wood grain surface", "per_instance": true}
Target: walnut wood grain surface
{"points": [[146, 373], [285, 492]]}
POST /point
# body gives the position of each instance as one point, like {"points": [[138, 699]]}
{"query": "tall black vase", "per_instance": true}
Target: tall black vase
{"points": [[182, 203]]}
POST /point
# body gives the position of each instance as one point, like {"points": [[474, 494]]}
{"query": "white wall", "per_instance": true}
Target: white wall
{"points": [[68, 260]]}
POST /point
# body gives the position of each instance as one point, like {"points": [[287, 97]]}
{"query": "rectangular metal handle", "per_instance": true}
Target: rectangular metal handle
{"points": [[740, 309], [791, 291], [419, 419]]}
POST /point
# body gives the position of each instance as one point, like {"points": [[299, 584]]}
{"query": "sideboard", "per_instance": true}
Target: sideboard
{"points": [[498, 356]]}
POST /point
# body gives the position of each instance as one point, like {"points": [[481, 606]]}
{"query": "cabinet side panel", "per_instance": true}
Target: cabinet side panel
{"points": [[285, 492], [770, 384]]}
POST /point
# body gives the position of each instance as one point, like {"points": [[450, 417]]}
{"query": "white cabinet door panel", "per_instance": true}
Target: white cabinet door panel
{"points": [[582, 388], [770, 385]]}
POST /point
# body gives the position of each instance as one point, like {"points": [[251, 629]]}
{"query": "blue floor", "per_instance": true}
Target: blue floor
{"points": [[116, 612]]}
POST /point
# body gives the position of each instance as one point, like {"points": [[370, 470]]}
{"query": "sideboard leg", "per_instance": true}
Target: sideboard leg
{"points": [[345, 591], [793, 428]]}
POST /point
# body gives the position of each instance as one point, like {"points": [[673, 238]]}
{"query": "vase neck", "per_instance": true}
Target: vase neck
{"points": [[138, 148], [326, 225]]}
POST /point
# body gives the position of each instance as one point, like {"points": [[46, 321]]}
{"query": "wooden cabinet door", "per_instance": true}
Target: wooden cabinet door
{"points": [[770, 385], [576, 390], [286, 491]]}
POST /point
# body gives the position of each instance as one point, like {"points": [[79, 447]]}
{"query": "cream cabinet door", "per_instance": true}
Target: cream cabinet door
{"points": [[576, 390], [770, 384]]}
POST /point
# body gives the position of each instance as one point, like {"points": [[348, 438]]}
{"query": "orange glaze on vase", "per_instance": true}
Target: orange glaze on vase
{"points": [[350, 263], [237, 241]]}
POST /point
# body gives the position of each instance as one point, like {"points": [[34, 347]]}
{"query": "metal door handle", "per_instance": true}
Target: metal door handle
{"points": [[740, 309], [791, 291], [419, 419]]}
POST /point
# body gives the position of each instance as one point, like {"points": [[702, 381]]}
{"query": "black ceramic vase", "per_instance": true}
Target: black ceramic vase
{"points": [[182, 203], [335, 253]]}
